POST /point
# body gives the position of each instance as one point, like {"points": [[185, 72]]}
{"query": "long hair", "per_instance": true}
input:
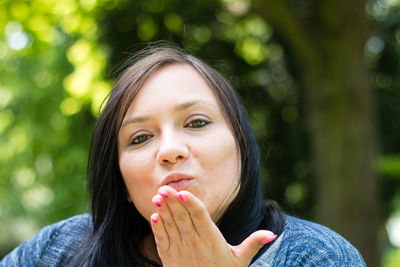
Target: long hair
{"points": [[118, 228]]}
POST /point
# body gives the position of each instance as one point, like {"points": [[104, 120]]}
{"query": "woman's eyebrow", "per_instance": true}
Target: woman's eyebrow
{"points": [[187, 105], [135, 120], [177, 108]]}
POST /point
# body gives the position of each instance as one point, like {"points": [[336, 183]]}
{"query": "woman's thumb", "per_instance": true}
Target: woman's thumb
{"points": [[252, 244]]}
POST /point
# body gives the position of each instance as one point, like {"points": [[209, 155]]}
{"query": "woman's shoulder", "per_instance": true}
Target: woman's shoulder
{"points": [[53, 244], [309, 243]]}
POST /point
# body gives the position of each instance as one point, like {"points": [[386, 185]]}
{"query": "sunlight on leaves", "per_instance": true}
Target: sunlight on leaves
{"points": [[63, 7], [101, 91], [295, 192], [70, 106], [89, 63], [20, 11], [79, 51], [71, 23], [237, 7], [21, 228], [173, 22], [154, 6], [3, 50], [44, 165], [16, 38], [201, 34], [251, 50], [51, 78], [37, 197], [389, 165], [19, 139], [392, 2], [391, 257], [6, 118], [5, 96], [42, 28], [24, 177], [88, 5]]}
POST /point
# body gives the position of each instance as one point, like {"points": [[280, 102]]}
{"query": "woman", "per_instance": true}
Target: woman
{"points": [[174, 181]]}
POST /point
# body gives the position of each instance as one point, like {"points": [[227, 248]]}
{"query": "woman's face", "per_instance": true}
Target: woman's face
{"points": [[175, 134]]}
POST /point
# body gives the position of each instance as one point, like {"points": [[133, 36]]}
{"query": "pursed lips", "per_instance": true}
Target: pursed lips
{"points": [[178, 181]]}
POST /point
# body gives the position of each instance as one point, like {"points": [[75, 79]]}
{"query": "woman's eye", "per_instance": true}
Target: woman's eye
{"points": [[197, 123], [140, 139]]}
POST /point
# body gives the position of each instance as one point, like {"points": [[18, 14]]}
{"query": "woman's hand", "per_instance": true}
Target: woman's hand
{"points": [[185, 234]]}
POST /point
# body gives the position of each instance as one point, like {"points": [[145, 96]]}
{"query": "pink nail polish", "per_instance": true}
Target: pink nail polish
{"points": [[156, 201], [154, 218], [269, 239], [182, 197], [164, 194]]}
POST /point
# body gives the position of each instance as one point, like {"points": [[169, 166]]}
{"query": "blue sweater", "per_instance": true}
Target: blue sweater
{"points": [[301, 243]]}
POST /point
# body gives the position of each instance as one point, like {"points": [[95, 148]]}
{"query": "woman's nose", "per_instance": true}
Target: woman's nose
{"points": [[172, 150]]}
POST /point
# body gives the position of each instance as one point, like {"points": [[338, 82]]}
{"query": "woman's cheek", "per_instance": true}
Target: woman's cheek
{"points": [[141, 186]]}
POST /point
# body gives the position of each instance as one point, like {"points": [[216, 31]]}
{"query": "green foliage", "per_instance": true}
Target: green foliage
{"points": [[391, 258], [390, 166], [51, 86]]}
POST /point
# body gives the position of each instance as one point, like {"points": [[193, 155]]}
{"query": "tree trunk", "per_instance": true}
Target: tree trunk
{"points": [[342, 131], [328, 46]]}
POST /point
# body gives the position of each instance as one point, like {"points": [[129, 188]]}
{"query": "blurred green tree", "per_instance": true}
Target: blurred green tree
{"points": [[51, 85]]}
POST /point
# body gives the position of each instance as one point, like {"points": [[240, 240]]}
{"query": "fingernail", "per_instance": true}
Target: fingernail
{"points": [[154, 218], [156, 200], [164, 194], [182, 197], [269, 239]]}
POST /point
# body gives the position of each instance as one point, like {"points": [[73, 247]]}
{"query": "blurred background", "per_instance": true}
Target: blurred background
{"points": [[320, 80]]}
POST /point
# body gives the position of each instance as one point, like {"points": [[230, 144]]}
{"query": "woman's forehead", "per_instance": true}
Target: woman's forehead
{"points": [[179, 85]]}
